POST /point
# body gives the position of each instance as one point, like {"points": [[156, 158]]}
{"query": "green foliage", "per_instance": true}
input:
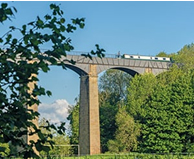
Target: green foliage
{"points": [[21, 60], [73, 117], [61, 142], [5, 150], [185, 56], [164, 109], [140, 88], [113, 85], [162, 54], [170, 76], [112, 95], [107, 124], [132, 156], [6, 12], [62, 150], [159, 134], [126, 133]]}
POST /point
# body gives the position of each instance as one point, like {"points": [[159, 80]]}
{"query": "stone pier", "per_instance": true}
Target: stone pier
{"points": [[89, 129]]}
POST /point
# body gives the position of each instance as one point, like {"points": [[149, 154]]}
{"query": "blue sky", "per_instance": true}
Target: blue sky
{"points": [[131, 27]]}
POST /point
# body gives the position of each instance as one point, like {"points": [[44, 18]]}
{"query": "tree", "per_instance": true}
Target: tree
{"points": [[20, 62], [107, 124], [62, 146], [140, 88], [73, 117], [157, 134], [162, 54], [112, 95], [126, 133], [61, 142], [163, 107], [168, 118], [185, 57], [113, 85]]}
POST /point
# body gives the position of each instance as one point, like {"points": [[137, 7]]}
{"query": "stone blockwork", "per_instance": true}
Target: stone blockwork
{"points": [[130, 66], [89, 135], [83, 116], [94, 111]]}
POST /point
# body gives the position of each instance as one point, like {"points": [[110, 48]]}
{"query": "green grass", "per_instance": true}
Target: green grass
{"points": [[131, 156], [125, 156]]}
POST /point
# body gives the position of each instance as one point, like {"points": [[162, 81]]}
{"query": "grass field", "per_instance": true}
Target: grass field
{"points": [[122, 156], [130, 156]]}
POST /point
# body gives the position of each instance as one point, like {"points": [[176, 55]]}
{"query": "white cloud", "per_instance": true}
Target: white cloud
{"points": [[54, 112]]}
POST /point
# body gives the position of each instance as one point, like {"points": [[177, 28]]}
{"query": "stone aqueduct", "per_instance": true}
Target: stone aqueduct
{"points": [[88, 70], [89, 135]]}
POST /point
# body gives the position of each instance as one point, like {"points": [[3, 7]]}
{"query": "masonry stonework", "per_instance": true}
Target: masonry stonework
{"points": [[89, 134]]}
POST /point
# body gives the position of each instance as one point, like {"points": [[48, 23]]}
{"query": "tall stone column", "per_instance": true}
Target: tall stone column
{"points": [[89, 127]]}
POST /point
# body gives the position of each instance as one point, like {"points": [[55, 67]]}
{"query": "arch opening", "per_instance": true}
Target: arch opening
{"points": [[127, 70], [76, 69]]}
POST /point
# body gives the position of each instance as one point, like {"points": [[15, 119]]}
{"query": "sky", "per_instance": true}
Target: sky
{"points": [[131, 27]]}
